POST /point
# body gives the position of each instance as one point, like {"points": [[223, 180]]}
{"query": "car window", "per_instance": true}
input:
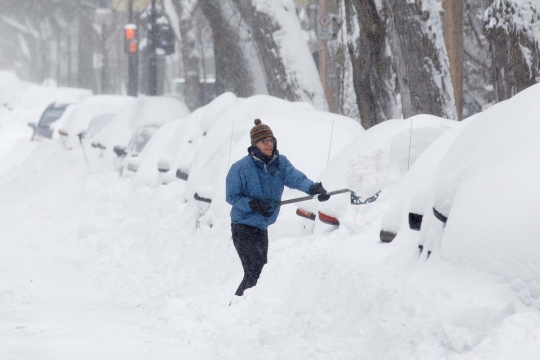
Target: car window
{"points": [[99, 123], [51, 115], [139, 141]]}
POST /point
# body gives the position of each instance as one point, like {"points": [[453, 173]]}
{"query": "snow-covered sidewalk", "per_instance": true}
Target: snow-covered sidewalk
{"points": [[92, 267]]}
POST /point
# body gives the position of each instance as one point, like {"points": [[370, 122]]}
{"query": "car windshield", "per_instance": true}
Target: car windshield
{"points": [[51, 115], [141, 138], [99, 123]]}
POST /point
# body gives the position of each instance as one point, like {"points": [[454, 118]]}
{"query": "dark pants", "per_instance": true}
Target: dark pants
{"points": [[251, 243]]}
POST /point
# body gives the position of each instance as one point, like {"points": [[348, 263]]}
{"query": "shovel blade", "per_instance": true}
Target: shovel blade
{"points": [[306, 214]]}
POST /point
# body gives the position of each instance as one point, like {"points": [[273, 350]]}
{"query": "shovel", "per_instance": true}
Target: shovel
{"points": [[355, 200]]}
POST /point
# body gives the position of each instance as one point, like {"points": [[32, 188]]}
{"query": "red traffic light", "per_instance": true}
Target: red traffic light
{"points": [[130, 34], [130, 39]]}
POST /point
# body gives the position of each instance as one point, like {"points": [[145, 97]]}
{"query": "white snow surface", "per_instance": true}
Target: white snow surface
{"points": [[95, 266]]}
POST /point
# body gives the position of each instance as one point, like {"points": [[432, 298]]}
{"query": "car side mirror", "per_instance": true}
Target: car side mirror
{"points": [[164, 165], [120, 151], [32, 125]]}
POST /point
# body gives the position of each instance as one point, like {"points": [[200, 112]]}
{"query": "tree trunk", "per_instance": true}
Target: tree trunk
{"points": [[86, 77], [190, 55], [372, 66], [453, 39], [421, 62], [477, 84], [514, 49], [232, 70], [288, 64]]}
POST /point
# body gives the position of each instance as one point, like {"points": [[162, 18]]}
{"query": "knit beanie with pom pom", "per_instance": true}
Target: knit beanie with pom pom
{"points": [[260, 131]]}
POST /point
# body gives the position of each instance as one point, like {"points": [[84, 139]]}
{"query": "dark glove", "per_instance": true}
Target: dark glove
{"points": [[317, 188], [261, 207]]}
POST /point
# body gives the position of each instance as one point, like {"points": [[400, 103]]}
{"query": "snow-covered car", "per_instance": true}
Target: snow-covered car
{"points": [[136, 121], [308, 137], [371, 165], [484, 210], [77, 118], [42, 129], [98, 123], [180, 154], [413, 193], [205, 138], [145, 148], [26, 102]]}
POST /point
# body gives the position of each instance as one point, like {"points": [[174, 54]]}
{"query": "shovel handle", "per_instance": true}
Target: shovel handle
{"points": [[304, 198]]}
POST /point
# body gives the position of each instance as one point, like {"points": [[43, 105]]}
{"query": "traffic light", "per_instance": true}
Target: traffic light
{"points": [[166, 39], [131, 44]]}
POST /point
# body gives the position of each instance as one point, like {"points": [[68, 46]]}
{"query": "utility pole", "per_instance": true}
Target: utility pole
{"points": [[133, 60], [325, 10], [152, 69]]}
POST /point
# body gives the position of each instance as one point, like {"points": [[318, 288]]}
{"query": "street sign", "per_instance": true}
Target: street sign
{"points": [[138, 5], [325, 31]]}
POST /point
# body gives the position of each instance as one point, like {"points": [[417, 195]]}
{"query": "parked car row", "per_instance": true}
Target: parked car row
{"points": [[466, 191]]}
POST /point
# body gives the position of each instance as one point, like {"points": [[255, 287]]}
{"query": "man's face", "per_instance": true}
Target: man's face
{"points": [[266, 145]]}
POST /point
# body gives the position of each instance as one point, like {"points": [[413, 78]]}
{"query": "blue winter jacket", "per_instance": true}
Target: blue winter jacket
{"points": [[251, 178]]}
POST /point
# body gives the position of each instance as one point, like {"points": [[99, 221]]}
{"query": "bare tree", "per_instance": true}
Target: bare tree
{"points": [[420, 58], [453, 38], [37, 24], [232, 69], [185, 9], [374, 81], [477, 83]]}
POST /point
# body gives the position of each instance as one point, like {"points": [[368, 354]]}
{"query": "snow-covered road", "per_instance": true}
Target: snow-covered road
{"points": [[92, 267]]}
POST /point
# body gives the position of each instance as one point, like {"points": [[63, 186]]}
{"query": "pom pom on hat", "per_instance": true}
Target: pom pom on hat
{"points": [[260, 131]]}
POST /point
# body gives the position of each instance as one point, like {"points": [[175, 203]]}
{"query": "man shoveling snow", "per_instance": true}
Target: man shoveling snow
{"points": [[255, 184]]}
